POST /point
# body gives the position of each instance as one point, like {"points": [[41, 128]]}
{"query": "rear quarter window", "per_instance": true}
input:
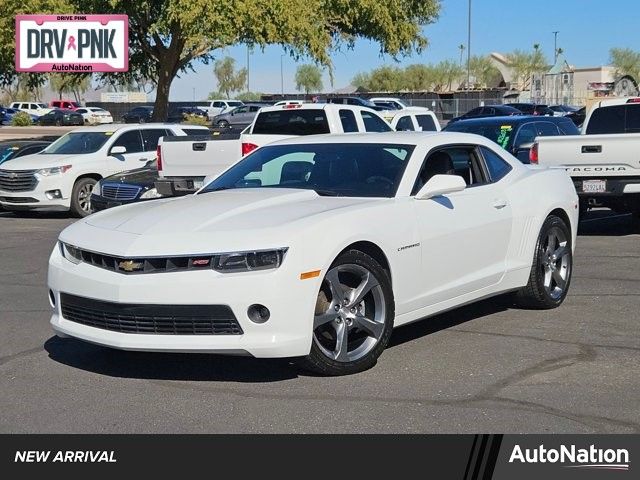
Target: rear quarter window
{"points": [[427, 123], [607, 120], [291, 122]]}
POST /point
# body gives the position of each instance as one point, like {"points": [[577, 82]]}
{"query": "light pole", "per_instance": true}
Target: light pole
{"points": [[281, 76], [469, 49], [248, 51], [555, 46]]}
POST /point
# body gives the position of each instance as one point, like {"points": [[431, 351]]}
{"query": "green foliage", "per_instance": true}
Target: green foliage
{"points": [[70, 83], [483, 70], [308, 78], [249, 96], [167, 36], [625, 62], [386, 79], [361, 80], [418, 78], [228, 79], [526, 64], [21, 119], [445, 73]]}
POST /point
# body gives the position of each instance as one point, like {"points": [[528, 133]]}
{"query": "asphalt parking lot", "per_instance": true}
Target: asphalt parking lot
{"points": [[481, 368]]}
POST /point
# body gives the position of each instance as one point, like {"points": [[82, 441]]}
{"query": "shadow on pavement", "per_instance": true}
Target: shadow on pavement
{"points": [[603, 222]]}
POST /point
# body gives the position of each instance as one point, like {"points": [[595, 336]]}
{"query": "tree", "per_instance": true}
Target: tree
{"points": [[445, 74], [308, 78], [418, 78], [625, 62], [167, 36], [483, 70], [70, 83], [361, 80], [228, 79], [525, 64], [249, 96], [385, 79]]}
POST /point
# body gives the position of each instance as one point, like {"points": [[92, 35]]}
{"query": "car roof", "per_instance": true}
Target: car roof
{"points": [[396, 138], [317, 106], [114, 127], [509, 119], [618, 101]]}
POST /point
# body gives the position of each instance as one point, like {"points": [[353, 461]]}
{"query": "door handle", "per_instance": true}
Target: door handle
{"points": [[143, 159], [499, 203]]}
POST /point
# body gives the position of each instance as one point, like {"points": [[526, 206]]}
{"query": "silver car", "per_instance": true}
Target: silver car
{"points": [[238, 117]]}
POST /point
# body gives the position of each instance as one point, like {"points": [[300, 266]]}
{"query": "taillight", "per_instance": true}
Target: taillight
{"points": [[634, 100], [292, 105], [159, 156], [533, 153], [247, 148]]}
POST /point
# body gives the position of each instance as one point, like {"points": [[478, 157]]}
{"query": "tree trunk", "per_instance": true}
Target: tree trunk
{"points": [[166, 73]]}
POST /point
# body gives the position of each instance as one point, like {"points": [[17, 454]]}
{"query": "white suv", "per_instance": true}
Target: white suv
{"points": [[32, 108], [62, 176]]}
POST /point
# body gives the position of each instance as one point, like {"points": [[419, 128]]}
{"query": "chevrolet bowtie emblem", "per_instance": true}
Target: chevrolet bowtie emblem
{"points": [[130, 266]]}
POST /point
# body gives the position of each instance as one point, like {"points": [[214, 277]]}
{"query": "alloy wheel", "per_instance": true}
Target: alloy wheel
{"points": [[555, 259], [350, 313], [84, 197]]}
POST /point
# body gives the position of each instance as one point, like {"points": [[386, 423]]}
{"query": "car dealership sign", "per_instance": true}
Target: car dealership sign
{"points": [[72, 43]]}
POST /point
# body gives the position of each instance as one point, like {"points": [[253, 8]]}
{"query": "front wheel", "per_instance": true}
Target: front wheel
{"points": [[353, 318], [552, 267], [223, 124], [81, 197]]}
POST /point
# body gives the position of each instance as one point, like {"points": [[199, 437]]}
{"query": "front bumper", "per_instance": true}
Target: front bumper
{"points": [[287, 333], [37, 199]]}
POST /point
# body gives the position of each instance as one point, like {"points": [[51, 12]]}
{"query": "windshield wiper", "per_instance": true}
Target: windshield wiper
{"points": [[326, 193]]}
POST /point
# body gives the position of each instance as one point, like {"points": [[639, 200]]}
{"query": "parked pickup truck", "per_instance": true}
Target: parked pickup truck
{"points": [[603, 162], [183, 165]]}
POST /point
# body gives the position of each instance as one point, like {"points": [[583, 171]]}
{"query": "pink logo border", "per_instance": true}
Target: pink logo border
{"points": [[97, 67]]}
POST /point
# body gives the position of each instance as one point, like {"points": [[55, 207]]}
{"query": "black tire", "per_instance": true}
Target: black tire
{"points": [[537, 294], [58, 123], [81, 196], [370, 348], [223, 124]]}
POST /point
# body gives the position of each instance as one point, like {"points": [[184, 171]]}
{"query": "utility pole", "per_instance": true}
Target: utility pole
{"points": [[248, 51], [469, 49], [555, 47], [461, 47], [281, 76]]}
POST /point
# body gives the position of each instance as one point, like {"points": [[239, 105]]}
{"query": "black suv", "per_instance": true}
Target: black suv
{"points": [[533, 109], [488, 111]]}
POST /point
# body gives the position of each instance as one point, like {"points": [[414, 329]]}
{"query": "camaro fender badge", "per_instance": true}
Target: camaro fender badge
{"points": [[406, 247], [130, 266]]}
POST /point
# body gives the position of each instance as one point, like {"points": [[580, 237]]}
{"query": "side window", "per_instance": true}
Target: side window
{"points": [[34, 106], [488, 111], [496, 165], [547, 129], [526, 134], [218, 104], [633, 118], [607, 120], [404, 124], [474, 112], [25, 106], [373, 123], [463, 161], [348, 120], [290, 168], [254, 108], [151, 137], [130, 140], [240, 110], [427, 123], [81, 110]]}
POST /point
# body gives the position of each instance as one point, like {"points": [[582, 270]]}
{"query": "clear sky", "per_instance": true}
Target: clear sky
{"points": [[588, 29]]}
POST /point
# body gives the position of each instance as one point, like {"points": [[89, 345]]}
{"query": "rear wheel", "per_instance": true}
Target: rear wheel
{"points": [[223, 124], [81, 197], [552, 266], [353, 317], [58, 123]]}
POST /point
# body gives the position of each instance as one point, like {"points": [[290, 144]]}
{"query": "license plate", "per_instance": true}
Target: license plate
{"points": [[197, 184], [594, 186]]}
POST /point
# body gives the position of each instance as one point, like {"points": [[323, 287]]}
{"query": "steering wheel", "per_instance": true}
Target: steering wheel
{"points": [[379, 178]]}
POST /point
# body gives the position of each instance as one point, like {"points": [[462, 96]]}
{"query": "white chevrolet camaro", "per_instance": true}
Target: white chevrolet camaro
{"points": [[317, 247]]}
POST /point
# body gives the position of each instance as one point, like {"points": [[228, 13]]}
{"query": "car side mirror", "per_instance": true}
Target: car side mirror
{"points": [[118, 150], [441, 185]]}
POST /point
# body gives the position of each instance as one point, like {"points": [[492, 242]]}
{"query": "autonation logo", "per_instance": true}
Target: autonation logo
{"points": [[573, 457]]}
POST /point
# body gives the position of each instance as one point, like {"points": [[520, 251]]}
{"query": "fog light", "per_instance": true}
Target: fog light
{"points": [[53, 194], [52, 299], [258, 313]]}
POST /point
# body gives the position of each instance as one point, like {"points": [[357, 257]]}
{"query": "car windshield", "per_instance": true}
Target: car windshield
{"points": [[235, 104], [330, 169], [292, 121], [75, 143]]}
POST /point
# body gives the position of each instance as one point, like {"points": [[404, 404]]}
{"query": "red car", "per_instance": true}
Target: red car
{"points": [[65, 104]]}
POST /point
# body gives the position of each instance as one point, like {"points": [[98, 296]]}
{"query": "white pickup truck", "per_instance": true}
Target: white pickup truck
{"points": [[183, 164], [603, 162], [216, 107]]}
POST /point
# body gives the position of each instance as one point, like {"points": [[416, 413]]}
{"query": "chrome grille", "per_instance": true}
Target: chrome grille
{"points": [[120, 191], [18, 180]]}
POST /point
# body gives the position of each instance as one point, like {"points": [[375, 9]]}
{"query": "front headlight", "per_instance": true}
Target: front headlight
{"points": [[46, 172], [97, 189], [71, 253], [249, 261], [151, 193]]}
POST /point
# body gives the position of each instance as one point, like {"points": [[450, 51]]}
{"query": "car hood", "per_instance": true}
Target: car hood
{"points": [[218, 221], [38, 161], [144, 176]]}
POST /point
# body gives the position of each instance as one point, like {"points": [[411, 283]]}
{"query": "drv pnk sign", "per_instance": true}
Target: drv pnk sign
{"points": [[72, 43]]}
